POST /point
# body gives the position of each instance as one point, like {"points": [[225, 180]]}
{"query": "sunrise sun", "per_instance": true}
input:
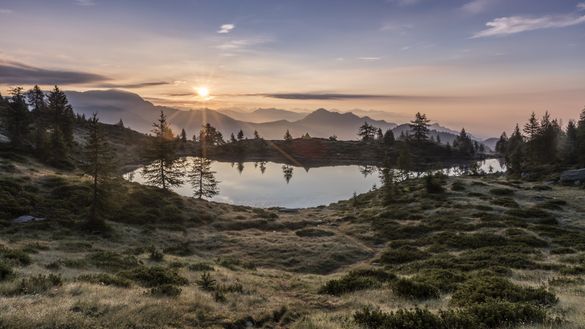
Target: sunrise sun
{"points": [[202, 92]]}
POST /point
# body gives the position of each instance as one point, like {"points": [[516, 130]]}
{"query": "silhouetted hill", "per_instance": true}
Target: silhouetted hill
{"points": [[139, 114], [263, 115]]}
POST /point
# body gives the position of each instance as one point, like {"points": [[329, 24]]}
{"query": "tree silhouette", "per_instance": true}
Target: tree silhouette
{"points": [[389, 138], [15, 117], [164, 165], [240, 135], [209, 136], [203, 179], [420, 128], [367, 132], [287, 136], [287, 171], [62, 115], [99, 164]]}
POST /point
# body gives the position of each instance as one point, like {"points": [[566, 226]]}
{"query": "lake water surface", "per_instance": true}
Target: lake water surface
{"points": [[267, 184]]}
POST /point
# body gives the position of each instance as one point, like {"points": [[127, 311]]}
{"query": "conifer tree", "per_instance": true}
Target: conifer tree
{"points": [[233, 138], [389, 138], [164, 169], [240, 135], [256, 135], [420, 128], [183, 136], [287, 136], [61, 113], [16, 118], [389, 188], [203, 179], [99, 164], [38, 104], [367, 132], [379, 135], [571, 141], [581, 138], [464, 144], [209, 136], [502, 143]]}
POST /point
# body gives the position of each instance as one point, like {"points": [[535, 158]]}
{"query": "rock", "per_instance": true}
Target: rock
{"points": [[27, 218], [576, 176]]}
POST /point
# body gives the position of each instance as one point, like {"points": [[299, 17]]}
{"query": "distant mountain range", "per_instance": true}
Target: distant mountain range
{"points": [[139, 114]]}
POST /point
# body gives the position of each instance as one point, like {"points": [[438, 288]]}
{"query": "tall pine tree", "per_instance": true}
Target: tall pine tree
{"points": [[420, 128], [165, 168], [203, 179], [99, 165]]}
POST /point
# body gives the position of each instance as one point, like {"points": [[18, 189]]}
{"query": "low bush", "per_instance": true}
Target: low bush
{"points": [[154, 276], [411, 289], [357, 280], [156, 255], [112, 261], [33, 285], [458, 186], [5, 271], [206, 282], [105, 279], [401, 255], [489, 289], [444, 280], [200, 267], [14, 256], [528, 213], [489, 315], [502, 191], [505, 202], [166, 290]]}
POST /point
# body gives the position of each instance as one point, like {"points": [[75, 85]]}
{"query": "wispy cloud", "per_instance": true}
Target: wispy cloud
{"points": [[18, 73], [581, 6], [404, 2], [516, 24], [341, 96], [369, 59], [4, 11], [133, 85], [226, 28], [85, 3], [476, 6]]}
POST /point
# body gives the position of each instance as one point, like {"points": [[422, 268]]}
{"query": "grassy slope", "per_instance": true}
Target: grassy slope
{"points": [[278, 259]]}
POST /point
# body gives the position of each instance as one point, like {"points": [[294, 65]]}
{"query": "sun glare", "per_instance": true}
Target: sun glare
{"points": [[203, 92]]}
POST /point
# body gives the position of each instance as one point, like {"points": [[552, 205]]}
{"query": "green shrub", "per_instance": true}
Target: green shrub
{"points": [[458, 186], [5, 271], [33, 285], [166, 290], [505, 202], [488, 289], [200, 267], [488, 315], [502, 314], [154, 276], [528, 213], [357, 280], [434, 183], [112, 261], [444, 280], [414, 290], [502, 191], [401, 255], [105, 279], [14, 256], [206, 282], [156, 255], [413, 319]]}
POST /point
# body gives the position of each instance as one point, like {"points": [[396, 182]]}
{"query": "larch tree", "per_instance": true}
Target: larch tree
{"points": [[420, 128], [203, 179], [367, 132], [165, 169], [99, 165]]}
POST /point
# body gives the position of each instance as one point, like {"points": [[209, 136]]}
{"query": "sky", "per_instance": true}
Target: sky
{"points": [[479, 64]]}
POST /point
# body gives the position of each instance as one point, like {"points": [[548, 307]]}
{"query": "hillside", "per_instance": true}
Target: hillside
{"points": [[171, 261]]}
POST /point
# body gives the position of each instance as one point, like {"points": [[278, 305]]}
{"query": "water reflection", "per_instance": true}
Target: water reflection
{"points": [[287, 171], [320, 185]]}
